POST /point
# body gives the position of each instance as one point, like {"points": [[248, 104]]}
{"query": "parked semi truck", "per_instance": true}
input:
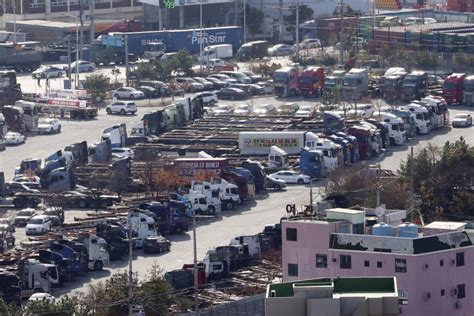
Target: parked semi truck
{"points": [[453, 88], [356, 84], [391, 83], [311, 81], [21, 56], [414, 85], [174, 40], [260, 143], [10, 89]]}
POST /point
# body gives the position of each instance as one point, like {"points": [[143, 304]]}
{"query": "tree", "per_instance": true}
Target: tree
{"points": [[97, 85], [182, 63], [443, 180], [254, 19], [305, 14]]}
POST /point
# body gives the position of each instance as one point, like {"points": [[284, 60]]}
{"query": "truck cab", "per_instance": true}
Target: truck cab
{"points": [[453, 88], [286, 81], [143, 226], [249, 50], [311, 81], [59, 180], [408, 118], [422, 119], [154, 50], [277, 158], [363, 135], [332, 153], [356, 84], [396, 128], [391, 83], [439, 107], [468, 96], [335, 80], [31, 114], [312, 162], [414, 85]]}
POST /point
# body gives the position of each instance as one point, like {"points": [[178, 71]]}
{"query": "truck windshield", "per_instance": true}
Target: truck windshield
{"points": [[352, 82], [308, 80], [234, 191], [53, 272], [155, 47], [330, 82], [279, 77], [410, 81], [395, 127], [390, 82], [449, 86], [469, 86], [244, 50]]}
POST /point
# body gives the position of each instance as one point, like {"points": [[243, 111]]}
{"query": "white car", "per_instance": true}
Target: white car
{"points": [[222, 109], [122, 107], [306, 111], [208, 98], [49, 125], [462, 120], [123, 152], [12, 138], [264, 109], [42, 297], [310, 43], [128, 93], [224, 78], [290, 176], [243, 109], [48, 72], [281, 50], [38, 224], [82, 66]]}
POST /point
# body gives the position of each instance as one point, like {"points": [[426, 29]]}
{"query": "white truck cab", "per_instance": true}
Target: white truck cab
{"points": [[422, 119], [396, 128], [143, 226], [332, 152]]}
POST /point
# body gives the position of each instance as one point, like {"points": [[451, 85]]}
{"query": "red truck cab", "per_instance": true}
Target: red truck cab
{"points": [[363, 135], [311, 81], [453, 88], [285, 81]]}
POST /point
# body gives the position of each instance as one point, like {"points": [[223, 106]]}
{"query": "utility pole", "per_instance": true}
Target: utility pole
{"points": [[200, 37], [341, 35], [92, 26], [14, 21], [81, 19], [245, 21], [69, 60], [297, 28], [130, 259], [412, 184], [160, 19], [126, 59], [195, 269], [280, 19]]}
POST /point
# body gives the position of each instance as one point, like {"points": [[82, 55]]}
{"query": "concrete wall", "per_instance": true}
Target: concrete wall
{"points": [[416, 282], [250, 306]]}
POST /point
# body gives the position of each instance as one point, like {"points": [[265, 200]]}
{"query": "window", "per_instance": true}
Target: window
{"points": [[461, 290], [291, 234], [366, 263], [321, 261], [346, 262], [293, 269], [400, 265], [441, 263], [459, 259], [442, 292], [379, 264]]}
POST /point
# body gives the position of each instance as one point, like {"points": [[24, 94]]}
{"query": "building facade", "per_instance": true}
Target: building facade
{"points": [[433, 268]]}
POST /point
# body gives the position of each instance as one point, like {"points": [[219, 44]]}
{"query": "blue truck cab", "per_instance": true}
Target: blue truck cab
{"points": [[345, 147], [354, 146], [312, 162]]}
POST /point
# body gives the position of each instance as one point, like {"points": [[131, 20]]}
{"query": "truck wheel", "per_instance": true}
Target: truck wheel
{"points": [[229, 205], [98, 266], [392, 141], [82, 204], [211, 210]]}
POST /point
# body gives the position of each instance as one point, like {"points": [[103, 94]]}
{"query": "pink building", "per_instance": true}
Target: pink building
{"points": [[432, 265]]}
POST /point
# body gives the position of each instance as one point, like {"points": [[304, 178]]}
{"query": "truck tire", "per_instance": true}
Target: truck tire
{"points": [[392, 141], [98, 266], [211, 210], [229, 205], [82, 203]]}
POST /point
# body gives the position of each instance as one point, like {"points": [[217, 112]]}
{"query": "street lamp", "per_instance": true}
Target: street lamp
{"points": [[200, 37], [76, 77]]}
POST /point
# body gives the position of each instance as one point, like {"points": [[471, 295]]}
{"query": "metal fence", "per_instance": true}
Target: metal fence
{"points": [[250, 306]]}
